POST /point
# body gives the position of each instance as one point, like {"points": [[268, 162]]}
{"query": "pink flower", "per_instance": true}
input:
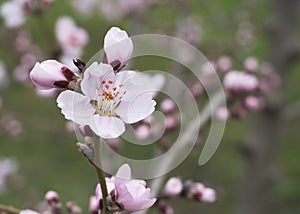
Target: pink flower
{"points": [[208, 195], [28, 212], [118, 46], [240, 81], [71, 38], [173, 187], [132, 195], [13, 13], [251, 64], [50, 74], [108, 101]]}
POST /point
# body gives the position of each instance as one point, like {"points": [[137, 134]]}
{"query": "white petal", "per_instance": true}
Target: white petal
{"points": [[91, 85], [138, 82], [117, 45], [124, 172], [106, 127], [138, 108], [75, 107]]}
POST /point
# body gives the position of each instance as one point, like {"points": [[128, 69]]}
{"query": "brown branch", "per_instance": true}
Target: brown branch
{"points": [[9, 209]]}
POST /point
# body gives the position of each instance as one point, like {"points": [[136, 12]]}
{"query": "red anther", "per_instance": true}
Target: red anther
{"points": [[103, 82], [110, 82], [114, 89], [106, 86]]}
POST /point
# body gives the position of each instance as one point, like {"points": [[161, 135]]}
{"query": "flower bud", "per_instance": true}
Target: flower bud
{"points": [[253, 103], [173, 187], [195, 191], [142, 132], [209, 195], [73, 208], [93, 205], [224, 63], [118, 48], [167, 105], [251, 64], [52, 196], [222, 114], [50, 74]]}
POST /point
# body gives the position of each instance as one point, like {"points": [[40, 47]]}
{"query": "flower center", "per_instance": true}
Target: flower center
{"points": [[109, 97]]}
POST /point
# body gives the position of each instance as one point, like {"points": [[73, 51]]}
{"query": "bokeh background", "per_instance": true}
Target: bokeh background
{"points": [[33, 132]]}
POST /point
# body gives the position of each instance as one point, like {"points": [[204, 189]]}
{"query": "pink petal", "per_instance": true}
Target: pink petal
{"points": [[106, 127], [75, 107]]}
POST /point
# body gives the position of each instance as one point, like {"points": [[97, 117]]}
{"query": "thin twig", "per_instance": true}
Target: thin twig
{"points": [[9, 209], [202, 120], [100, 172]]}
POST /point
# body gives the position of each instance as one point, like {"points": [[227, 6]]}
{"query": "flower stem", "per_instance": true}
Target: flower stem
{"points": [[100, 172], [9, 209]]}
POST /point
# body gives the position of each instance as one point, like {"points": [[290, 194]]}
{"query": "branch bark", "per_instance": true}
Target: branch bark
{"points": [[260, 147]]}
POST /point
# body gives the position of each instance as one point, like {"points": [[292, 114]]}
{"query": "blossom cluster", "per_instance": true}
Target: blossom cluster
{"points": [[245, 89], [100, 96]]}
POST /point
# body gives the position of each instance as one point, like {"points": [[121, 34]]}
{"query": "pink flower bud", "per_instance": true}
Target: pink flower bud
{"points": [[209, 195], [118, 47], [251, 64], [94, 204], [73, 208], [50, 74], [224, 63], [253, 103], [222, 113], [197, 89], [173, 187], [142, 132], [52, 196], [240, 81], [166, 209], [167, 105], [171, 121], [195, 191]]}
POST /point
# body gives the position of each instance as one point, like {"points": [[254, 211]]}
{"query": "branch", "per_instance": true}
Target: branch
{"points": [[203, 119], [100, 172], [291, 112], [9, 209]]}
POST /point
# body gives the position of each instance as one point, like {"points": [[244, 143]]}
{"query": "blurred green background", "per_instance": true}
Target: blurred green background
{"points": [[47, 156]]}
